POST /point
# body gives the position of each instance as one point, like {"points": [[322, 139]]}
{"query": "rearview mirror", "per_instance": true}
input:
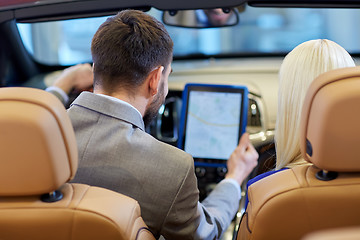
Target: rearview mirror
{"points": [[202, 18]]}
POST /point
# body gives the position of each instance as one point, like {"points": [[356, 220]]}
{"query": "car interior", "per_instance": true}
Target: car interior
{"points": [[39, 39]]}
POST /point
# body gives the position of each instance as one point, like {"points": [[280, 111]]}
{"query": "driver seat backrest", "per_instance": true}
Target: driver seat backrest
{"points": [[306, 198], [38, 157]]}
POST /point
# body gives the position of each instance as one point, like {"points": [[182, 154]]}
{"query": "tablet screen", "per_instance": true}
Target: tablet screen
{"points": [[213, 119]]}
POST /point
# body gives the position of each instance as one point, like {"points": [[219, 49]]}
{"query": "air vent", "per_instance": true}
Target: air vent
{"points": [[254, 115]]}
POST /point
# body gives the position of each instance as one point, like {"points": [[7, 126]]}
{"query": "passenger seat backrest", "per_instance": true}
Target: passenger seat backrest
{"points": [[38, 157], [307, 198]]}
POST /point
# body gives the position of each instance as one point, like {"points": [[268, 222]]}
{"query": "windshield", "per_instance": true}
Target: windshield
{"points": [[261, 31]]}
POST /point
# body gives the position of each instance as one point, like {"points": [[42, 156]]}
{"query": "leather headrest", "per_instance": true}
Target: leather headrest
{"points": [[330, 124], [37, 143]]}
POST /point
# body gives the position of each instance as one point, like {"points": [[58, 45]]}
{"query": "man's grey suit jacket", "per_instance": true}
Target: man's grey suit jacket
{"points": [[116, 153]]}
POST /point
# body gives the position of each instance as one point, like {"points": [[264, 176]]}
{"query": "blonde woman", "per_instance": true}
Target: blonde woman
{"points": [[299, 68]]}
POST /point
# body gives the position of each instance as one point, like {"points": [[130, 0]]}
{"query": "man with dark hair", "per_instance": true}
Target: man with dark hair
{"points": [[132, 55]]}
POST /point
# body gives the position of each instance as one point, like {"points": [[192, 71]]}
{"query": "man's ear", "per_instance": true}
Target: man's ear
{"points": [[154, 79]]}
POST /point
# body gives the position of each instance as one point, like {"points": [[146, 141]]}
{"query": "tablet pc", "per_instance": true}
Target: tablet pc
{"points": [[213, 118]]}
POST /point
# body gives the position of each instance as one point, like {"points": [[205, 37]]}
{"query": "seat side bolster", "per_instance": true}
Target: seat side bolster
{"points": [[265, 189], [123, 211]]}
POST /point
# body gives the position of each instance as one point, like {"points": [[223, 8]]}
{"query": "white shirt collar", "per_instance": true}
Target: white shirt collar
{"points": [[118, 100]]}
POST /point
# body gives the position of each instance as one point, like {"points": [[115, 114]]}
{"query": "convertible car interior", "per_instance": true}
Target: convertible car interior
{"points": [[238, 43]]}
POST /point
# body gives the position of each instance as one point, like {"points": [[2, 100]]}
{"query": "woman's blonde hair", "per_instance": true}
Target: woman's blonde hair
{"points": [[299, 68]]}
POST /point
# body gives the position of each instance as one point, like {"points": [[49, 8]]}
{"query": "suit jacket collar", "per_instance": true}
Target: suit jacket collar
{"points": [[110, 107]]}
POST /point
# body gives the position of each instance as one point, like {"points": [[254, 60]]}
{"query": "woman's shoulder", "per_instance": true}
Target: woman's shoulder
{"points": [[264, 175]]}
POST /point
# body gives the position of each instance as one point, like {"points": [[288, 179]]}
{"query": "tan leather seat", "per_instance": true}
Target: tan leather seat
{"points": [[349, 233], [294, 202], [39, 156]]}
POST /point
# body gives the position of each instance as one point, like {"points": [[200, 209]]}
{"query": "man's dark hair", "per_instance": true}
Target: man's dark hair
{"points": [[127, 47]]}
